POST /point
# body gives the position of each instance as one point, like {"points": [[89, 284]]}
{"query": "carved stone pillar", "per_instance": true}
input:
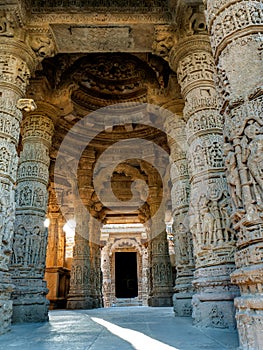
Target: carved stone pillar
{"points": [[30, 238], [16, 63], [53, 240], [95, 262], [106, 270], [160, 293], [56, 275], [80, 289], [145, 276], [209, 216], [182, 299], [236, 36]]}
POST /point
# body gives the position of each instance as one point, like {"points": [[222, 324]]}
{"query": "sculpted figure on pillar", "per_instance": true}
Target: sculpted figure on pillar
{"points": [[236, 37]]}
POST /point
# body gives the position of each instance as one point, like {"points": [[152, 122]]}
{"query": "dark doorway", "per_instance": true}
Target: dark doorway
{"points": [[126, 275]]}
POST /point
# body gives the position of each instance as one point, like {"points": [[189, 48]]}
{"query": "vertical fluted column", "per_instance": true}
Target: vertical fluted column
{"points": [[209, 212], [236, 29], [183, 289], [16, 64], [30, 238]]}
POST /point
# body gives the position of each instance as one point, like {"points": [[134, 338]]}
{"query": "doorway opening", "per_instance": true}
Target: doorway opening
{"points": [[126, 279]]}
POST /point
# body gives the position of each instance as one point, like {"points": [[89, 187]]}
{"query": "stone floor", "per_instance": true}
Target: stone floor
{"points": [[117, 328]]}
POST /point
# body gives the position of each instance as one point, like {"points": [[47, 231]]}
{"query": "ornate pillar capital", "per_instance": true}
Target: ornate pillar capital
{"points": [[229, 20], [186, 46]]}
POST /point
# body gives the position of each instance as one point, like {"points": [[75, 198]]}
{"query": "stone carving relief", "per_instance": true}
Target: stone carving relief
{"points": [[6, 227], [7, 24], [133, 5], [26, 104], [8, 159], [32, 195], [217, 317], [211, 227], [194, 67], [193, 20], [15, 71], [235, 17], [42, 45], [164, 40], [203, 121], [183, 242], [29, 246], [244, 161], [206, 153]]}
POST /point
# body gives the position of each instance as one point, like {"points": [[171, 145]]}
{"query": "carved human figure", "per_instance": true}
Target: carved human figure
{"points": [[208, 224], [182, 242], [233, 177], [255, 160]]}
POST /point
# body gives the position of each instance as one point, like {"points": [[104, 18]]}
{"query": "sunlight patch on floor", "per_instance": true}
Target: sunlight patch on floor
{"points": [[138, 340]]}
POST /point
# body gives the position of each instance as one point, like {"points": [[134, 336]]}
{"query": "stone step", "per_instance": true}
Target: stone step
{"points": [[127, 302]]}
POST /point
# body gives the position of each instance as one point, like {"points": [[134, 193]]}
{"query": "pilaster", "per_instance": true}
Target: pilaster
{"points": [[236, 29]]}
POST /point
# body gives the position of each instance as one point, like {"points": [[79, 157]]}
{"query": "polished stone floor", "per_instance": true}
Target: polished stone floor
{"points": [[117, 328]]}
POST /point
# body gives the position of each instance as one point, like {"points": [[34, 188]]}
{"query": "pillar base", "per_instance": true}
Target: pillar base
{"points": [[6, 304], [213, 313], [30, 310], [250, 321], [80, 302], [29, 300], [160, 301], [182, 304], [213, 304]]}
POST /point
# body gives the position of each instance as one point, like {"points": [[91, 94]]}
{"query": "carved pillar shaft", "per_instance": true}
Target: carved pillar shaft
{"points": [[160, 293], [182, 299], [145, 277], [213, 236], [236, 29], [30, 239], [95, 262], [15, 66], [107, 282], [80, 290], [56, 241]]}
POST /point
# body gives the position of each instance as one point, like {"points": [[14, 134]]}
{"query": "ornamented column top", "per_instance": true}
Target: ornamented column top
{"points": [[188, 45], [229, 20]]}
